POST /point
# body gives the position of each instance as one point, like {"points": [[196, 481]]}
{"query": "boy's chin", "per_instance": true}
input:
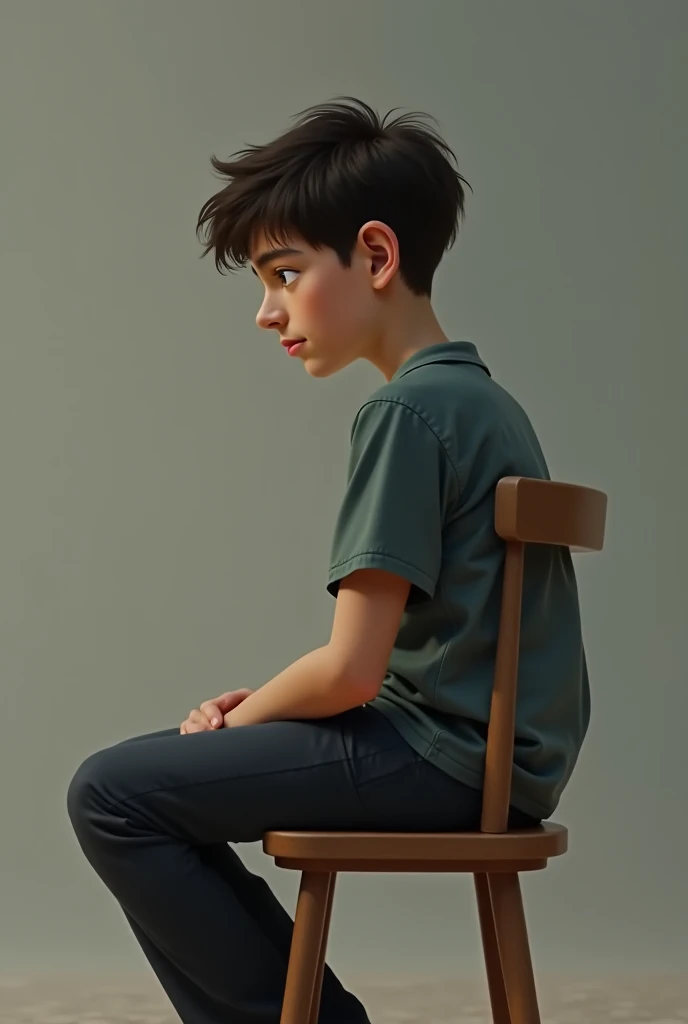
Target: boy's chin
{"points": [[322, 366], [319, 368]]}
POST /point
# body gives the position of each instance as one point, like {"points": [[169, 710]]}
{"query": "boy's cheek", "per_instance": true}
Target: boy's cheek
{"points": [[312, 303]]}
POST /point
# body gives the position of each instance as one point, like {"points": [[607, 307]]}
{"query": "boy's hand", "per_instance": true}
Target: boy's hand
{"points": [[211, 713]]}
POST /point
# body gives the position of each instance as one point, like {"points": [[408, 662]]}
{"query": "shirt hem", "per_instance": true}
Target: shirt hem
{"points": [[455, 769], [380, 560]]}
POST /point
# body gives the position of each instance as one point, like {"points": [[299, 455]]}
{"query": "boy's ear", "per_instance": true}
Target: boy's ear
{"points": [[381, 247]]}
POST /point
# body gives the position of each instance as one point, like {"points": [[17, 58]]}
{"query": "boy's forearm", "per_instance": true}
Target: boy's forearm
{"points": [[315, 686]]}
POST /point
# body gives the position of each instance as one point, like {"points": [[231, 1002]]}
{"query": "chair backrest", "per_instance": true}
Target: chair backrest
{"points": [[527, 511]]}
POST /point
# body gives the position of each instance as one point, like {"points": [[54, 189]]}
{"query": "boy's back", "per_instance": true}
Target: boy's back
{"points": [[428, 449]]}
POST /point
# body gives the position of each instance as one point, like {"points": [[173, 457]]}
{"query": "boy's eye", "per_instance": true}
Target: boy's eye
{"points": [[280, 273]]}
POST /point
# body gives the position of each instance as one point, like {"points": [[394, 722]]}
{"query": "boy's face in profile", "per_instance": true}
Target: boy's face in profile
{"points": [[310, 295]]}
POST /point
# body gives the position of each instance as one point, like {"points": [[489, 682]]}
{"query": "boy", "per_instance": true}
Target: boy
{"points": [[344, 219]]}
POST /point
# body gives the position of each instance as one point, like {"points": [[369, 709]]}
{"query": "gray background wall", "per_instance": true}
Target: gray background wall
{"points": [[161, 541]]}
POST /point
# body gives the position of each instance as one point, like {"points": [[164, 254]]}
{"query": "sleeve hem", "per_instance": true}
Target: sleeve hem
{"points": [[380, 560]]}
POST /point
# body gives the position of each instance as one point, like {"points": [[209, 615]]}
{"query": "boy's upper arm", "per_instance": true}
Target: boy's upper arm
{"points": [[387, 547], [370, 604], [400, 486]]}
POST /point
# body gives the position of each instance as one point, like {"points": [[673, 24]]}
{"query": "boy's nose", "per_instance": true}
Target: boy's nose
{"points": [[270, 319]]}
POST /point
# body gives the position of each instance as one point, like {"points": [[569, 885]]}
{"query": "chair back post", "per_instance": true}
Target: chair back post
{"points": [[502, 725], [527, 511]]}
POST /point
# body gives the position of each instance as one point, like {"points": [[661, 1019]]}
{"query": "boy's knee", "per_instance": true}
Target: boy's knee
{"points": [[88, 782]]}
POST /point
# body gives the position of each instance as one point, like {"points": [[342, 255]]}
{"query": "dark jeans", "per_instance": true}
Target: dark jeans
{"points": [[154, 815]]}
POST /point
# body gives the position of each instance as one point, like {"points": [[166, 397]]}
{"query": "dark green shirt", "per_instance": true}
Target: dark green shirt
{"points": [[427, 451]]}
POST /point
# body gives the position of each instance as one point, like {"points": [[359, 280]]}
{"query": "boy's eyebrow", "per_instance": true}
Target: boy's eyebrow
{"points": [[274, 254]]}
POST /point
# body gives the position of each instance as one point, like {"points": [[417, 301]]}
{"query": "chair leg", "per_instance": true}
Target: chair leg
{"points": [[304, 956], [512, 937], [317, 991], [493, 964]]}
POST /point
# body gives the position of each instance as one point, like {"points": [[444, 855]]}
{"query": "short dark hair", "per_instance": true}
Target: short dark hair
{"points": [[339, 166]]}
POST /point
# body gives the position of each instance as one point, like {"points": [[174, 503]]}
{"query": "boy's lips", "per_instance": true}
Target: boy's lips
{"points": [[291, 343]]}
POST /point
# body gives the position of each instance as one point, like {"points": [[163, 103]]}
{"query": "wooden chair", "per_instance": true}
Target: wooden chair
{"points": [[527, 511]]}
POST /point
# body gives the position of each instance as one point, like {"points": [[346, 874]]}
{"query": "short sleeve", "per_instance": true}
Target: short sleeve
{"points": [[393, 509]]}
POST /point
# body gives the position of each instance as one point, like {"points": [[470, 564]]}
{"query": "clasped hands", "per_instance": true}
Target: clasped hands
{"points": [[211, 714]]}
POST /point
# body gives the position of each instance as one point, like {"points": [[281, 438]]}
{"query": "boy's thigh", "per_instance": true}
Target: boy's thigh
{"points": [[226, 785]]}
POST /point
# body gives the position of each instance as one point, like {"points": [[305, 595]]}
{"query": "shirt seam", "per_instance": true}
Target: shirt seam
{"points": [[442, 597], [421, 417]]}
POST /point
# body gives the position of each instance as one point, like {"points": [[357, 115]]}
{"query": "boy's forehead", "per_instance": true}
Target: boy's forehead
{"points": [[262, 242]]}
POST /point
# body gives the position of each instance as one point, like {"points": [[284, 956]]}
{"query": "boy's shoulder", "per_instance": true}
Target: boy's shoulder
{"points": [[443, 385], [474, 418]]}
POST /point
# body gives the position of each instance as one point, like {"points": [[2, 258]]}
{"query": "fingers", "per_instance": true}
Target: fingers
{"points": [[212, 712], [196, 722]]}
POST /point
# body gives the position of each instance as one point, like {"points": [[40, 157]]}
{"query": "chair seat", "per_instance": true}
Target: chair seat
{"points": [[516, 850]]}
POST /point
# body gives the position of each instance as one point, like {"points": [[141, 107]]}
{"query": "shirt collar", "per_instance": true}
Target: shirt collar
{"points": [[446, 352]]}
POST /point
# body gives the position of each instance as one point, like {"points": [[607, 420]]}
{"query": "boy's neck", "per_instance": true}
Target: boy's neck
{"points": [[409, 327]]}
